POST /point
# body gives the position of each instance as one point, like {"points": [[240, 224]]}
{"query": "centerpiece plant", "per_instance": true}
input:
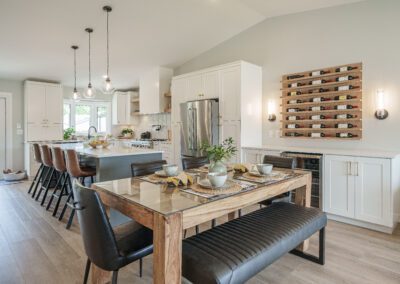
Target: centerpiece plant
{"points": [[219, 154]]}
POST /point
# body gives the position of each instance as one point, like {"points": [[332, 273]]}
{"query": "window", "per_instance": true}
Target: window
{"points": [[83, 114]]}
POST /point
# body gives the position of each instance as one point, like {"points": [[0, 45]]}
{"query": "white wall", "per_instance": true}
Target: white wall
{"points": [[365, 32]]}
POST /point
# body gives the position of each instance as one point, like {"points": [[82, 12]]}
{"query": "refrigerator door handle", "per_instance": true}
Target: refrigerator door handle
{"points": [[194, 128]]}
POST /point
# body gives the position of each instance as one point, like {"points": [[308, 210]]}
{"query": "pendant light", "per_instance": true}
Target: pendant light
{"points": [[90, 92], [75, 95], [107, 87]]}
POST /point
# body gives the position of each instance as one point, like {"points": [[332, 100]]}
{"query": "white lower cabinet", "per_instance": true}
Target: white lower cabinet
{"points": [[358, 188]]}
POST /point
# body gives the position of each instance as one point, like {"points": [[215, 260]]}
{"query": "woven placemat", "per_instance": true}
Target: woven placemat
{"points": [[157, 178], [276, 176], [229, 187]]}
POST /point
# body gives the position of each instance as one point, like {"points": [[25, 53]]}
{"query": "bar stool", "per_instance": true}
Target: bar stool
{"points": [[48, 162], [61, 169], [74, 170], [39, 174]]}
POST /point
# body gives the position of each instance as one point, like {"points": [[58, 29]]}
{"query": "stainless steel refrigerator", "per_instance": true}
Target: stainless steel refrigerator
{"points": [[199, 125]]}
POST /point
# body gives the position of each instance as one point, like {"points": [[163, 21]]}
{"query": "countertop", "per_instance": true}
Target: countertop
{"points": [[330, 151]]}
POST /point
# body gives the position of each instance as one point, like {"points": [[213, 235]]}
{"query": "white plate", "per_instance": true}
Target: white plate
{"points": [[257, 174], [206, 184], [163, 174]]}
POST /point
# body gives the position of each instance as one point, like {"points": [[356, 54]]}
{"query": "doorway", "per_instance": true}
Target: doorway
{"points": [[5, 132], [2, 135]]}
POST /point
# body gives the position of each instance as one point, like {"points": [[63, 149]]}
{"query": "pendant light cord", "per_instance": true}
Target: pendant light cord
{"points": [[74, 69], [90, 71], [108, 49]]}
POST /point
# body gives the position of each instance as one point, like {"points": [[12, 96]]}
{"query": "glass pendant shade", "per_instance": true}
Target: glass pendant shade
{"points": [[90, 92], [76, 96], [107, 86]]}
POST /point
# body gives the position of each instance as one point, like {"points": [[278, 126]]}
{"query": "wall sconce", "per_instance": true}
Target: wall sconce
{"points": [[271, 109], [380, 113]]}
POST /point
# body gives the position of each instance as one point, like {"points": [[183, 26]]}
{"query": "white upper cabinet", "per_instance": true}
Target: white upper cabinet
{"points": [[121, 108], [178, 95], [43, 111], [230, 93], [211, 86], [195, 88], [152, 87]]}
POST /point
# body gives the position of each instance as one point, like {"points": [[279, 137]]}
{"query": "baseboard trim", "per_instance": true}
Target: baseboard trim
{"points": [[379, 228]]}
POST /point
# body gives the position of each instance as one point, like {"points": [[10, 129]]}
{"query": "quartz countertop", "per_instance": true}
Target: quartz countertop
{"points": [[331, 151]]}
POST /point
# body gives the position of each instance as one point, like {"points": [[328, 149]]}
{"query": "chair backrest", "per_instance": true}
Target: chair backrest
{"points": [[58, 159], [36, 153], [46, 155], [191, 163], [280, 162], [72, 162], [142, 169], [96, 231]]}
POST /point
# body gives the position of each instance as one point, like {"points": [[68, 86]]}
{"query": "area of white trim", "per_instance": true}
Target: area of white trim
{"points": [[375, 227], [9, 132]]}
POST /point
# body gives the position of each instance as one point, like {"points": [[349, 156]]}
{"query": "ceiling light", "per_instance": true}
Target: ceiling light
{"points": [[107, 87], [75, 94], [90, 92]]}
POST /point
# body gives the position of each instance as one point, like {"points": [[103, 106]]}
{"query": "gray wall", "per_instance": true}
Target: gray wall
{"points": [[365, 32], [16, 89]]}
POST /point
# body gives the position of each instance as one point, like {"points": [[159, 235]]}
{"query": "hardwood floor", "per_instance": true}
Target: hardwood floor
{"points": [[36, 248]]}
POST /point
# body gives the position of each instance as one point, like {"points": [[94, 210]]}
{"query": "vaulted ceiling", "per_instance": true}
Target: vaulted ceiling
{"points": [[35, 36]]}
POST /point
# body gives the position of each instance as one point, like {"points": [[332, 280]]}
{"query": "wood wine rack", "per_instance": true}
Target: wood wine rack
{"points": [[297, 101]]}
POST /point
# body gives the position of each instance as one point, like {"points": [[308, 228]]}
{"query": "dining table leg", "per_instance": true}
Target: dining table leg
{"points": [[303, 198], [167, 256]]}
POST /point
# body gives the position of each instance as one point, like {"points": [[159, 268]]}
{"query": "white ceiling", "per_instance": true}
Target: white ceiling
{"points": [[35, 36]]}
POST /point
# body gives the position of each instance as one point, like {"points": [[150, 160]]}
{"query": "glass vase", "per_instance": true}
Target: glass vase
{"points": [[218, 167]]}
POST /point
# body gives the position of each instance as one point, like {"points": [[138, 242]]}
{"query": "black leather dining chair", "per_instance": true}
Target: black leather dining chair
{"points": [[146, 168], [108, 248]]}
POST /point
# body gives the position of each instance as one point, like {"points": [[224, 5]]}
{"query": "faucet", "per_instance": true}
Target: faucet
{"points": [[88, 134]]}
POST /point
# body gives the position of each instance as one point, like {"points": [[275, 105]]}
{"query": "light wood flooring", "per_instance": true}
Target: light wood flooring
{"points": [[36, 248]]}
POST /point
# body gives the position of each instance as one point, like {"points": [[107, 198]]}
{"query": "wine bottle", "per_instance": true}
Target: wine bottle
{"points": [[344, 116], [317, 82], [290, 77], [293, 134], [293, 117], [345, 135], [292, 126], [291, 102], [342, 107], [319, 99], [293, 109], [344, 97], [318, 73], [295, 85], [344, 88], [316, 135], [317, 108], [317, 117], [344, 69], [345, 78], [294, 93], [344, 125], [317, 126]]}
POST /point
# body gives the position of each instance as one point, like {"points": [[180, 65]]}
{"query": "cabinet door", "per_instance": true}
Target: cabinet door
{"points": [[176, 142], [53, 131], [232, 129], [35, 101], [179, 90], [372, 190], [54, 103], [251, 156], [230, 93], [211, 85], [195, 88], [338, 186]]}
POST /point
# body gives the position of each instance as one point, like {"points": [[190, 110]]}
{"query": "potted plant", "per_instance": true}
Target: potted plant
{"points": [[68, 133], [218, 154], [127, 132]]}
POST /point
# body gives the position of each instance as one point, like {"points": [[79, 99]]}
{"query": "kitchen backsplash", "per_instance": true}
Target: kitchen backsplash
{"points": [[142, 123]]}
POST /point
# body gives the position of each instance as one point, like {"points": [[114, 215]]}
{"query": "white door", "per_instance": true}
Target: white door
{"points": [[230, 93], [176, 142], [338, 185], [195, 88], [232, 129], [2, 135], [36, 102], [211, 85], [373, 190], [179, 90], [54, 104]]}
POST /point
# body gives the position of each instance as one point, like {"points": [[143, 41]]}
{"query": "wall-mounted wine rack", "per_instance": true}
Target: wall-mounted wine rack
{"points": [[323, 103]]}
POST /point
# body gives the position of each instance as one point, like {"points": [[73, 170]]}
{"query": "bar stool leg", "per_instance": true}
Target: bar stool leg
{"points": [[54, 191], [59, 182], [53, 174], [46, 182], [36, 179], [41, 179], [66, 202], [62, 193]]}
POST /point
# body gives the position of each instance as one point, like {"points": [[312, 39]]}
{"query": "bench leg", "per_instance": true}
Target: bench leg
{"points": [[321, 257]]}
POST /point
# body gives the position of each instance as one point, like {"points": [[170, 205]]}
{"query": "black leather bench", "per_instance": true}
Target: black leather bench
{"points": [[237, 250]]}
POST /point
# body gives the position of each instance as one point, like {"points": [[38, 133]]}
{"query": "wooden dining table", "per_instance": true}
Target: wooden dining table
{"points": [[170, 210]]}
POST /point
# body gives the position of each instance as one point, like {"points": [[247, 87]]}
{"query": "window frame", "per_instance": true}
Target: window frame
{"points": [[93, 114]]}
